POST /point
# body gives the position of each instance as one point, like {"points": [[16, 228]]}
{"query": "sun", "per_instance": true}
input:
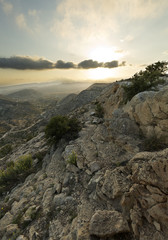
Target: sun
{"points": [[105, 54], [101, 73]]}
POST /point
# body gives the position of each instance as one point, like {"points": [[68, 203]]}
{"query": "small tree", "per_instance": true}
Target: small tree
{"points": [[61, 126], [99, 110], [145, 80]]}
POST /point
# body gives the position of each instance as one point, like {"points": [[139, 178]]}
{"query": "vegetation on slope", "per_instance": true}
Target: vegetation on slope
{"points": [[146, 80], [15, 172], [62, 127]]}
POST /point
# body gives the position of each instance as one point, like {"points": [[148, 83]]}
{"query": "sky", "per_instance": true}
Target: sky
{"points": [[80, 40]]}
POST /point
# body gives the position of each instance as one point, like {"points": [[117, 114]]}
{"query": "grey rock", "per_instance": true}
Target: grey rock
{"points": [[21, 237], [107, 224], [62, 199], [95, 166]]}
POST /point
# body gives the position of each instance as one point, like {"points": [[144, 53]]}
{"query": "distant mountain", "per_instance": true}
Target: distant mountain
{"points": [[25, 95], [59, 88], [73, 101]]}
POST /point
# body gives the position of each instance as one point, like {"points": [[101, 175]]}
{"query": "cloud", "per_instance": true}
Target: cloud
{"points": [[6, 6], [64, 65], [96, 18], [25, 63], [21, 21], [98, 23], [33, 12], [111, 64], [86, 64], [128, 38], [165, 52], [29, 22]]}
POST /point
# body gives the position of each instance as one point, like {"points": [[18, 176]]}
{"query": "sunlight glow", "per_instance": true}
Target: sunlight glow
{"points": [[105, 54], [100, 73]]}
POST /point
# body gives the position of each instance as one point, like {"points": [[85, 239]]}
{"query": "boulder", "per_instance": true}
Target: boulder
{"points": [[107, 224]]}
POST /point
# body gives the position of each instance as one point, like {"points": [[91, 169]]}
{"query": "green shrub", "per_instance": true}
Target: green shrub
{"points": [[5, 150], [72, 159], [15, 172], [39, 155], [23, 164], [62, 126], [146, 80], [10, 164], [99, 110]]}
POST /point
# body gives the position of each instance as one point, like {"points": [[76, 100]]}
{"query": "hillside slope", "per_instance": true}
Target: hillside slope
{"points": [[25, 95], [116, 190]]}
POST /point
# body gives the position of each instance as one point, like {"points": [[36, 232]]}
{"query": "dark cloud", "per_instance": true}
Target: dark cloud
{"points": [[23, 63], [112, 64], [122, 64], [64, 65], [86, 64]]}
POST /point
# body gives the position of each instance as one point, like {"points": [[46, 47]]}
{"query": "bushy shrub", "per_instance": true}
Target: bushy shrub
{"points": [[146, 80], [23, 164], [62, 126], [72, 159], [15, 172], [99, 110]]}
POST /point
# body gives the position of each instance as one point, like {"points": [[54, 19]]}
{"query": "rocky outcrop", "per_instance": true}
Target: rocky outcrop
{"points": [[150, 111], [114, 190], [145, 204], [107, 224]]}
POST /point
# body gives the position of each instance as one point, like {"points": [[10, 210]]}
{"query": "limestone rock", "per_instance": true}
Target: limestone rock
{"points": [[107, 224], [147, 199], [21, 237], [150, 111], [115, 183], [6, 220]]}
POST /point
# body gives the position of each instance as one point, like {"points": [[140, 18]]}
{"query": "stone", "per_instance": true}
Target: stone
{"points": [[157, 225], [59, 199], [159, 213], [12, 229], [47, 199], [55, 229], [94, 167], [115, 183], [149, 110], [6, 220], [62, 199], [107, 224], [21, 237], [30, 213], [83, 233], [16, 206]]}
